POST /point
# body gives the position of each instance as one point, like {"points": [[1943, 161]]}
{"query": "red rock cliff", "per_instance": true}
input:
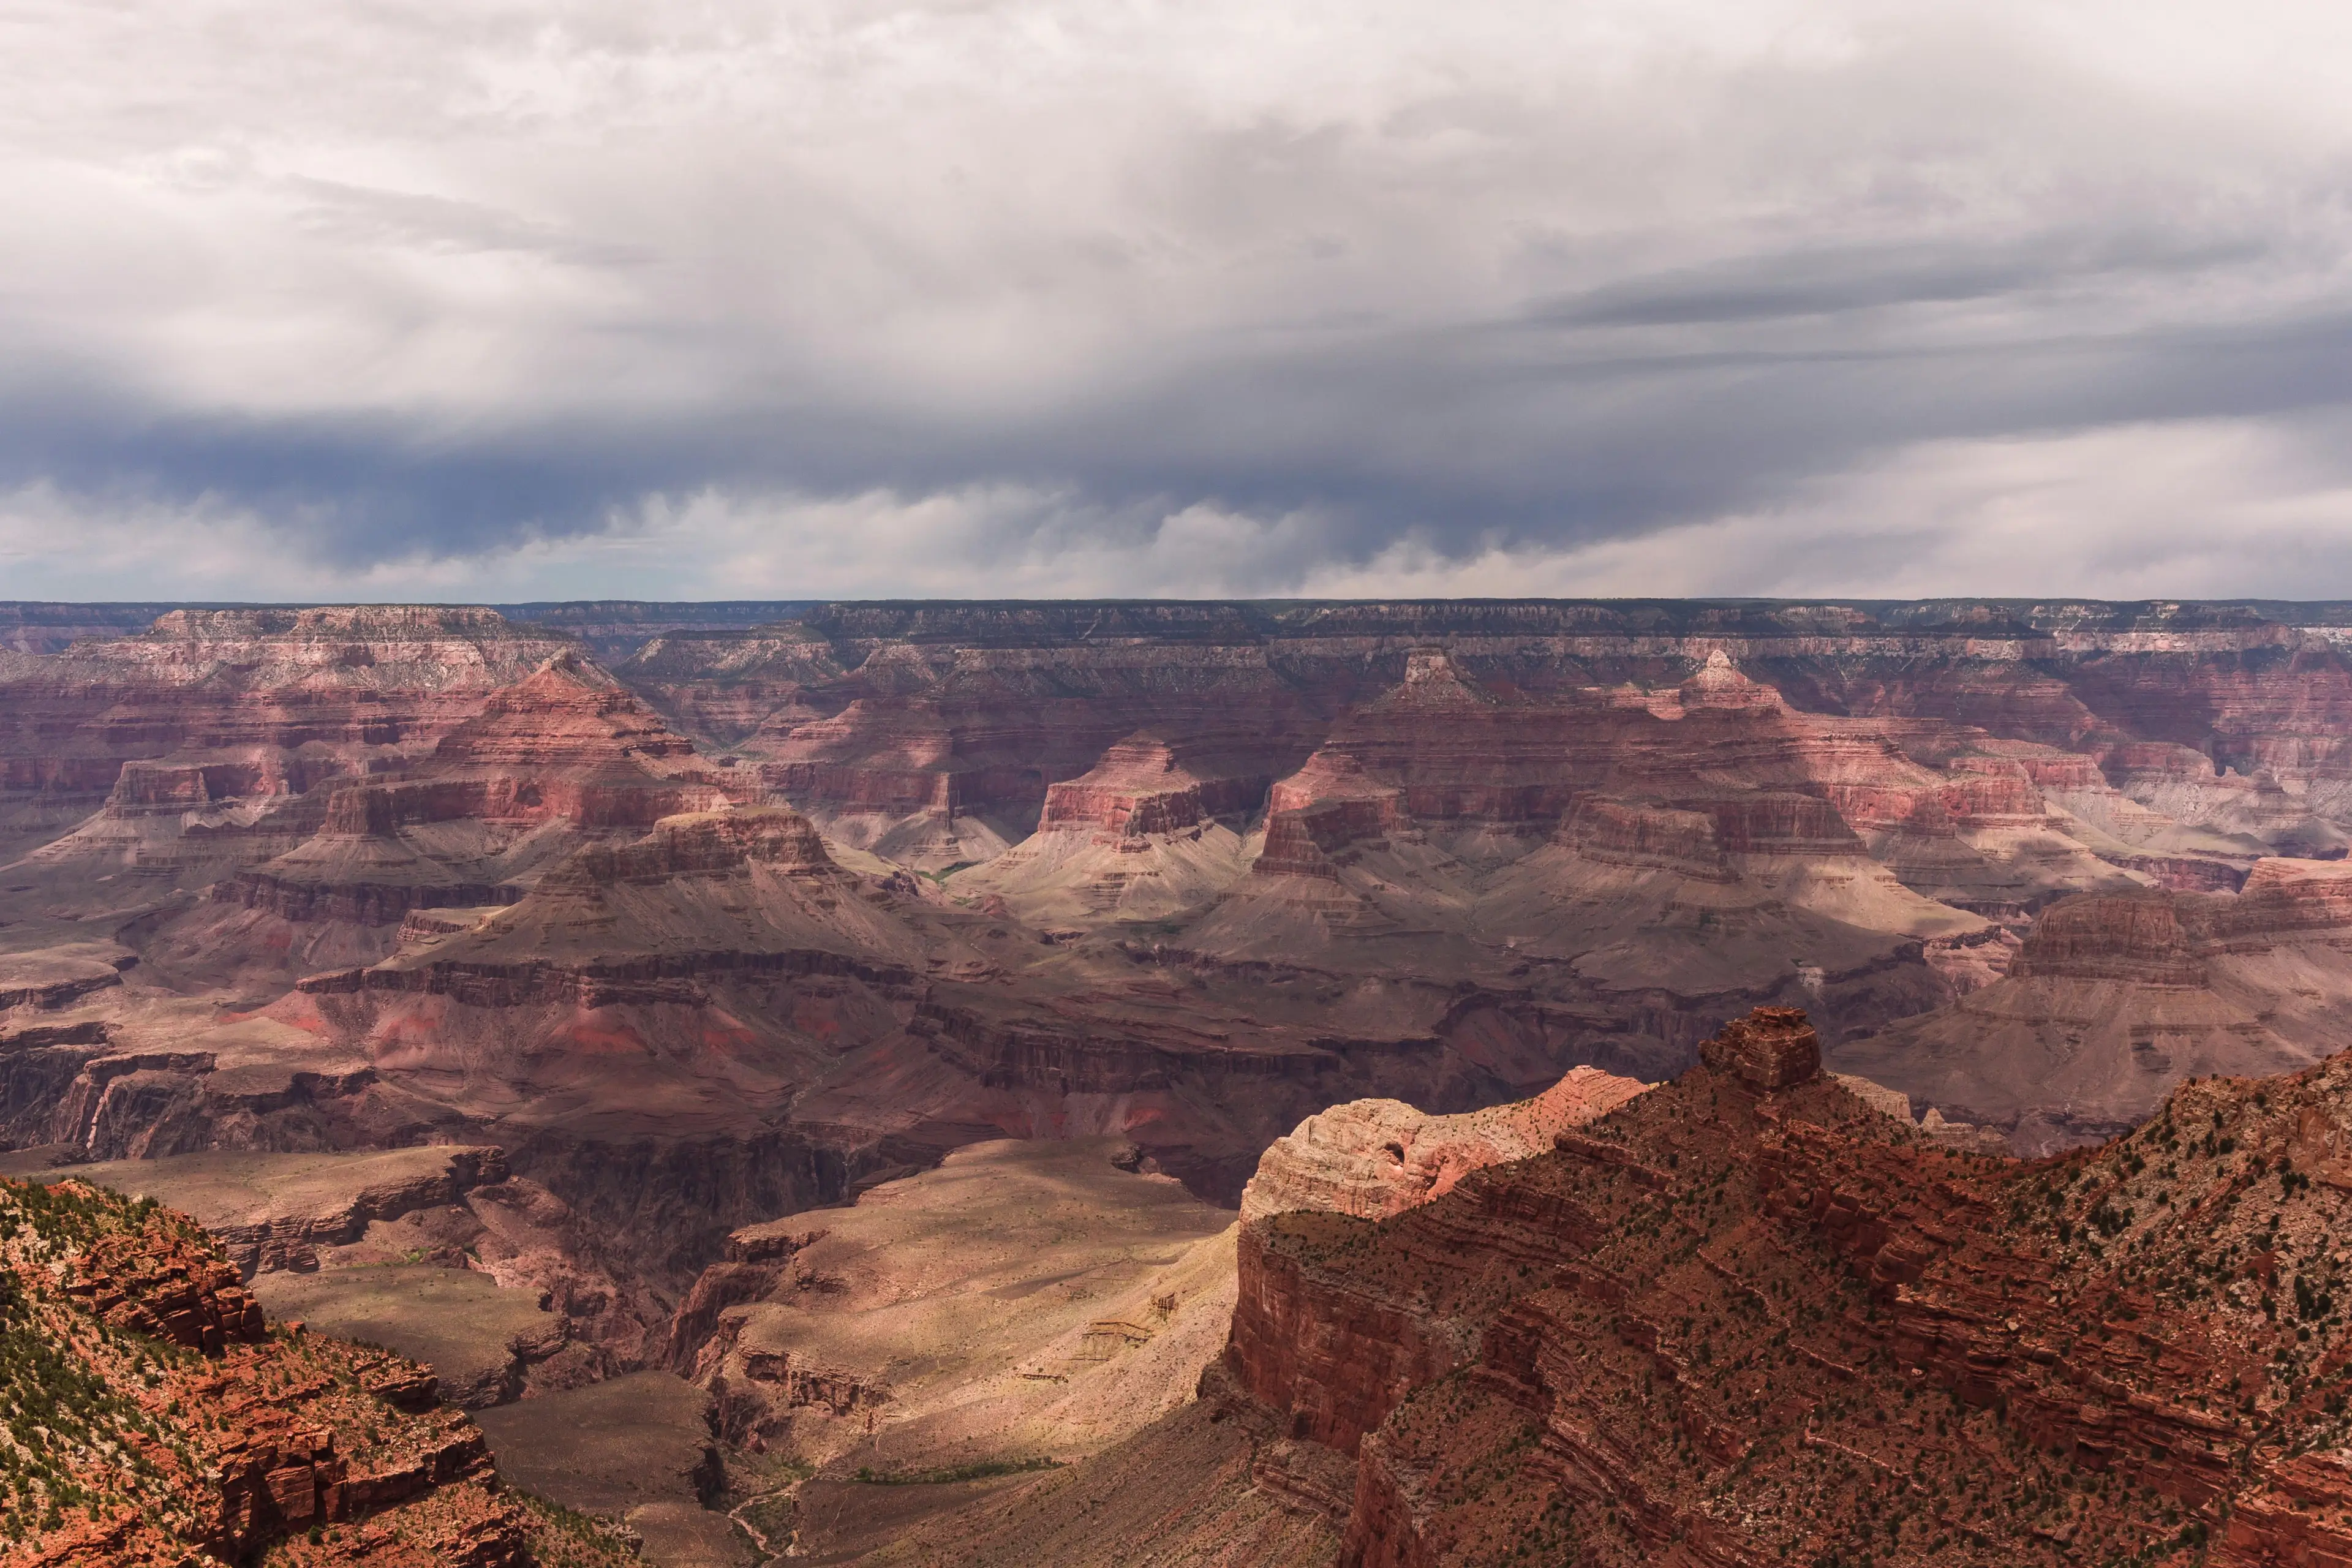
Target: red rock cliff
{"points": [[1735, 1324], [175, 1426]]}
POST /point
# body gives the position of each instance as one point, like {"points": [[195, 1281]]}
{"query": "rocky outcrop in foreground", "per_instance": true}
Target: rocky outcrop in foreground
{"points": [[1748, 1320], [156, 1419]]}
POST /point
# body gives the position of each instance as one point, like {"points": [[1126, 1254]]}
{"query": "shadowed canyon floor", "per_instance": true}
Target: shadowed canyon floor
{"points": [[588, 995]]}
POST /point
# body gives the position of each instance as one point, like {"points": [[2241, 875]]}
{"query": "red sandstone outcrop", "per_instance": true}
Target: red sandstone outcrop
{"points": [[1771, 1049], [1374, 1158], [168, 1286], [1137, 837], [127, 1452], [1647, 838], [1733, 1327], [2139, 938], [1138, 787]]}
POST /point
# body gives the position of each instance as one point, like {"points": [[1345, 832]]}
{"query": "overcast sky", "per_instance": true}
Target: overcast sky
{"points": [[323, 298]]}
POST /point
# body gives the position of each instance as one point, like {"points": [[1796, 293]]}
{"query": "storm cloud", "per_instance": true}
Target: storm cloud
{"points": [[1266, 297]]}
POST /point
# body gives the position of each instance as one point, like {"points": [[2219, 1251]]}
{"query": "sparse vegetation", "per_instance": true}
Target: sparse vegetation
{"points": [[981, 1470]]}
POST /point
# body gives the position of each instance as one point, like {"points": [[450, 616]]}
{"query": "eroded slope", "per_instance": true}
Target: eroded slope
{"points": [[1750, 1320], [152, 1415]]}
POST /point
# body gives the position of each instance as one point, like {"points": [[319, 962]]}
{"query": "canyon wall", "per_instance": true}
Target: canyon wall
{"points": [[1748, 1318], [703, 915], [160, 1418]]}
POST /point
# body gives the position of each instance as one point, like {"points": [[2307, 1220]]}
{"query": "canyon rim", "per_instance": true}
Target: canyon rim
{"points": [[1378, 1082]]}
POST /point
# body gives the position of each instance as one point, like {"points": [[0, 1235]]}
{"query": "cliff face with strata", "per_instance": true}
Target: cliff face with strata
{"points": [[2111, 998], [248, 702], [701, 915], [965, 709], [158, 1416], [1748, 1318]]}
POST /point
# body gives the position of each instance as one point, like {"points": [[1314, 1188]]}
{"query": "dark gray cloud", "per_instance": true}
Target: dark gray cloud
{"points": [[1840, 279], [1027, 295]]}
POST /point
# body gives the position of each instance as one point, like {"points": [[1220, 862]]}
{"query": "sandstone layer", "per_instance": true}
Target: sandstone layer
{"points": [[1747, 1320], [1375, 1158], [159, 1419]]}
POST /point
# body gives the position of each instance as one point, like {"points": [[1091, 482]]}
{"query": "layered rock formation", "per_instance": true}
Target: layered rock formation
{"points": [[327, 773], [1375, 1158], [671, 995], [1447, 808], [1140, 787], [1772, 1049], [562, 758], [157, 1417], [2256, 688], [1734, 1324], [692, 944], [1137, 837], [630, 1035], [1660, 849], [2113, 999], [269, 702]]}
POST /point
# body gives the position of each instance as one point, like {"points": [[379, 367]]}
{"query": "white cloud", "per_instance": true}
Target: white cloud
{"points": [[1227, 295]]}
